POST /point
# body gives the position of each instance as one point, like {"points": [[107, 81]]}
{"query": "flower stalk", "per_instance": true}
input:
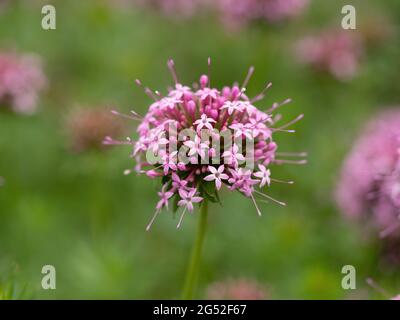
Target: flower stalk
{"points": [[194, 265]]}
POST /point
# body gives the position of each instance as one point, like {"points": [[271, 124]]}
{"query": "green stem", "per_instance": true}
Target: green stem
{"points": [[194, 266]]}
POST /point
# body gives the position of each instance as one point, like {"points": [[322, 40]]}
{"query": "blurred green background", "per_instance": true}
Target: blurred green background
{"points": [[79, 213]]}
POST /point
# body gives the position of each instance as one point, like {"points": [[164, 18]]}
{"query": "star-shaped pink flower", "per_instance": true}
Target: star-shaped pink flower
{"points": [[233, 156], [180, 91], [264, 174], [217, 175], [204, 121], [241, 129], [169, 102], [207, 93], [169, 162], [177, 182], [233, 106], [164, 196], [196, 147], [188, 198]]}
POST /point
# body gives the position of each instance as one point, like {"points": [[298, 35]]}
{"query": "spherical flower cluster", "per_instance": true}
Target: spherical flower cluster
{"points": [[369, 185], [21, 80], [240, 12], [237, 289], [86, 128], [198, 139], [334, 51]]}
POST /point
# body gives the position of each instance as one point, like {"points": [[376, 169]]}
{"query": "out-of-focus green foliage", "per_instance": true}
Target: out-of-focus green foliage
{"points": [[80, 214]]}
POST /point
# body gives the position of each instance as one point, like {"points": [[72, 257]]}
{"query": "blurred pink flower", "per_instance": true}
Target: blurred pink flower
{"points": [[237, 289], [21, 80], [369, 184], [337, 52], [87, 127], [235, 13]]}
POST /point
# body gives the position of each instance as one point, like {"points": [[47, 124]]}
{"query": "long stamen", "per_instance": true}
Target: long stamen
{"points": [[378, 288], [270, 198], [255, 204], [151, 94], [277, 118], [126, 116], [261, 95], [155, 168], [277, 105], [171, 67], [209, 71], [298, 118], [152, 219], [110, 141], [292, 154], [282, 181], [209, 77], [158, 94], [181, 218], [248, 77], [284, 130], [127, 172], [243, 90], [146, 90], [282, 161]]}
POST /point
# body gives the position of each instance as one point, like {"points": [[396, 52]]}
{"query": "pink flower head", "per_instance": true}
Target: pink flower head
{"points": [[21, 80], [369, 183], [334, 51], [196, 140]]}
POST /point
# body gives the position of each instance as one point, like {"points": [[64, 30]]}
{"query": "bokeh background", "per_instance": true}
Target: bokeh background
{"points": [[78, 212]]}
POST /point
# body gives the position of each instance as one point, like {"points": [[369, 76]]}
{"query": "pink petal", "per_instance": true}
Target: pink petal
{"points": [[258, 174], [182, 203], [197, 199], [183, 194], [210, 177], [212, 169]]}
